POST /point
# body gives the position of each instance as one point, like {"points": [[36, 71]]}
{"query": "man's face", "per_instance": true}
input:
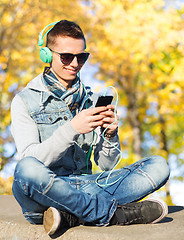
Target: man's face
{"points": [[66, 73]]}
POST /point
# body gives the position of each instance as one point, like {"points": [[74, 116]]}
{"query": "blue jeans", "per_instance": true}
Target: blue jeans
{"points": [[36, 188]]}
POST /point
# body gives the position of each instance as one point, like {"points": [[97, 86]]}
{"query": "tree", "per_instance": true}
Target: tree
{"points": [[138, 46], [20, 25]]}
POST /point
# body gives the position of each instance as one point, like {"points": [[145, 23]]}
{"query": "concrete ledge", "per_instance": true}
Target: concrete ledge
{"points": [[13, 226]]}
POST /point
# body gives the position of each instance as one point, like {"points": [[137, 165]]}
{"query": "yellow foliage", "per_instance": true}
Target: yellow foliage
{"points": [[6, 186], [138, 45], [20, 25]]}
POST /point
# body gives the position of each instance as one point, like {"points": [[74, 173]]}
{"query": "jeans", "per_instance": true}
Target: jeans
{"points": [[36, 188]]}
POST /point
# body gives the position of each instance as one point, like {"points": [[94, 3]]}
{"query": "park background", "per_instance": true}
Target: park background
{"points": [[137, 46]]}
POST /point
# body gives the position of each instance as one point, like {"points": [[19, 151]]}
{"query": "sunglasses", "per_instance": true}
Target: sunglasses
{"points": [[67, 58]]}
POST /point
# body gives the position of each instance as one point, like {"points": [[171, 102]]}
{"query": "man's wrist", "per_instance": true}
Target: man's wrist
{"points": [[109, 135]]}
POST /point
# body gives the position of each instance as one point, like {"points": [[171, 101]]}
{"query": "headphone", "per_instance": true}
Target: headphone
{"points": [[45, 53]]}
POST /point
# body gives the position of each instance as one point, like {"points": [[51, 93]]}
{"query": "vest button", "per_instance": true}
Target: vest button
{"points": [[50, 118], [65, 118]]}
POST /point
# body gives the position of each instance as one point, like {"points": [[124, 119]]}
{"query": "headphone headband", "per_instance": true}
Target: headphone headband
{"points": [[45, 53], [41, 41]]}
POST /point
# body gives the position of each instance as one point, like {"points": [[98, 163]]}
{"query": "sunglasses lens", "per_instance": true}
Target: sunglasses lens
{"points": [[82, 58], [66, 58]]}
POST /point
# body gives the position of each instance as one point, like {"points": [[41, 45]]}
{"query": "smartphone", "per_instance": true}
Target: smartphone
{"points": [[104, 101]]}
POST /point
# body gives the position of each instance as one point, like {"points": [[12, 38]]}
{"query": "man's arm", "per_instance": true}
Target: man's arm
{"points": [[106, 155], [26, 136]]}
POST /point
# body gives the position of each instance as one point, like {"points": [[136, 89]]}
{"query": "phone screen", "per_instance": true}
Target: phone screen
{"points": [[104, 101]]}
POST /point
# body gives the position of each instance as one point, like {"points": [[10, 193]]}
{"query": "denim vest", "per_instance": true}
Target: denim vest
{"points": [[49, 112]]}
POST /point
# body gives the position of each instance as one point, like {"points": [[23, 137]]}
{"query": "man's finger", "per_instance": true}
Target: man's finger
{"points": [[98, 110]]}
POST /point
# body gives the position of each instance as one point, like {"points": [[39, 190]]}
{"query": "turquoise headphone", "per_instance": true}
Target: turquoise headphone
{"points": [[45, 53]]}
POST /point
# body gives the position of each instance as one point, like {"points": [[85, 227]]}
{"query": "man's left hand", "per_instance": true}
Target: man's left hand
{"points": [[109, 119]]}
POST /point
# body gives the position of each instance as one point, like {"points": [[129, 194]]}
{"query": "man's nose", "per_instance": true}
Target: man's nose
{"points": [[74, 62]]}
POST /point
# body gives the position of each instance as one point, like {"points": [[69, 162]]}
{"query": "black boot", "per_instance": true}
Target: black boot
{"points": [[148, 211], [54, 219]]}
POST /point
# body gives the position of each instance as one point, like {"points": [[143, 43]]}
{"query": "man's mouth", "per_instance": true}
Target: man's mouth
{"points": [[72, 71]]}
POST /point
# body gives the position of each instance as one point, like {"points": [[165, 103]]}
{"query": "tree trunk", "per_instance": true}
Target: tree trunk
{"points": [[165, 148], [128, 83], [133, 118]]}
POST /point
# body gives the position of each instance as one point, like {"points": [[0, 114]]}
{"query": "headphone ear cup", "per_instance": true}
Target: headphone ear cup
{"points": [[45, 55]]}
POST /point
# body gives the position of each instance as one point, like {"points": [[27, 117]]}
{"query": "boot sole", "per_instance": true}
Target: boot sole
{"points": [[51, 220]]}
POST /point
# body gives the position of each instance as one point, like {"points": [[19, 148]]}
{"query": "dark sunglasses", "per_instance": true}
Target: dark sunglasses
{"points": [[67, 58]]}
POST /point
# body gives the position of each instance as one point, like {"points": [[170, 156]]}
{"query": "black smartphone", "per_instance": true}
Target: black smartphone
{"points": [[104, 101]]}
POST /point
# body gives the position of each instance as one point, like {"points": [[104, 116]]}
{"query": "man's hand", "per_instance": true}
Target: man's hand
{"points": [[89, 119], [109, 118]]}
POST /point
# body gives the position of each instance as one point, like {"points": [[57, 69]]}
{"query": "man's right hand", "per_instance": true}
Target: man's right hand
{"points": [[88, 119]]}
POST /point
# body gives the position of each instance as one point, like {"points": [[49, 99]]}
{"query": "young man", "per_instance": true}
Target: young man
{"points": [[55, 124]]}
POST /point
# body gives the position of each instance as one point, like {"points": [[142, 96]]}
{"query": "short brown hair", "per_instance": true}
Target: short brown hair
{"points": [[64, 28]]}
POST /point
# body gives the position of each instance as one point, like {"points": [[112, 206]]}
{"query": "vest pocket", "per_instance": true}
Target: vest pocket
{"points": [[47, 123], [47, 118]]}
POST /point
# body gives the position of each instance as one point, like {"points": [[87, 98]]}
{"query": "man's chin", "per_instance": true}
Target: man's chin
{"points": [[71, 78]]}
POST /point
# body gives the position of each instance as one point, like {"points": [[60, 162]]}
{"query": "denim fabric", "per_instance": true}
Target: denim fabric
{"points": [[36, 188]]}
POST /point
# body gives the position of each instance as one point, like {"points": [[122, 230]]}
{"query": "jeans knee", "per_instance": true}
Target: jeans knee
{"points": [[30, 173], [161, 169], [163, 166], [27, 168]]}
